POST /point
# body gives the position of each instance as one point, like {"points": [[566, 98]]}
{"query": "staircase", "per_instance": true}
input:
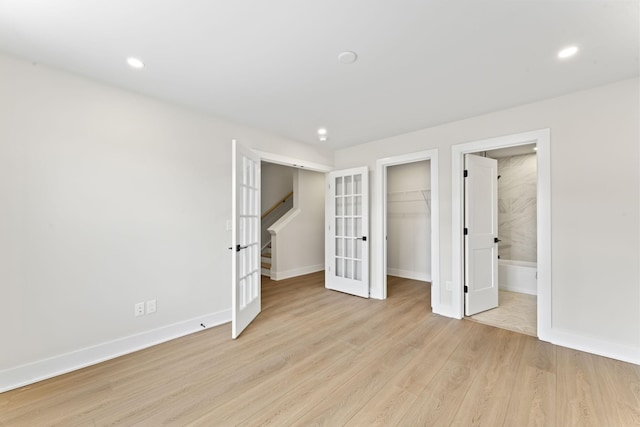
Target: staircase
{"points": [[267, 219], [265, 261]]}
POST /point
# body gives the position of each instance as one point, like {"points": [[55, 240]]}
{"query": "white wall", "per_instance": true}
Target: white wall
{"points": [[108, 198], [409, 220], [277, 182], [595, 185], [298, 246]]}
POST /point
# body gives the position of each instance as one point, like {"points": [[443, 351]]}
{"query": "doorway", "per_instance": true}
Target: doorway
{"points": [[514, 252], [541, 139], [420, 197]]}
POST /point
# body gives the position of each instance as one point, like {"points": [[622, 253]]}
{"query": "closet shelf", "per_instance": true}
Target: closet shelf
{"points": [[417, 195]]}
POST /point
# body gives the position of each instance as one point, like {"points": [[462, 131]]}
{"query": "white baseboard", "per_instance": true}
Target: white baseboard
{"points": [[516, 288], [43, 369], [591, 345], [281, 275], [407, 274]]}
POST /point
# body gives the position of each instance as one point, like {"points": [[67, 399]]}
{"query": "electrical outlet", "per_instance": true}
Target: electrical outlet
{"points": [[138, 309], [151, 306], [228, 225]]}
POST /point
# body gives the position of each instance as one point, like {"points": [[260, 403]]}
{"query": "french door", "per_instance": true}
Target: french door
{"points": [[347, 231], [245, 240]]}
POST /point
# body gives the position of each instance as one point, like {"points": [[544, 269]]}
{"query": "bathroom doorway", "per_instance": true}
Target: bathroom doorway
{"points": [[517, 240]]}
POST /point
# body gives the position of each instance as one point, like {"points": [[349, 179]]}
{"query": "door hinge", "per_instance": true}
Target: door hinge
{"points": [[466, 173], [466, 289], [466, 231]]}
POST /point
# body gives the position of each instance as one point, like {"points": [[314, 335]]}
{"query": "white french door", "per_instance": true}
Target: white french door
{"points": [[347, 243], [245, 240], [481, 234]]}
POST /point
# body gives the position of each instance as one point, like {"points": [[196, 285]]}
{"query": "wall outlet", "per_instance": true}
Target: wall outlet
{"points": [[151, 306], [138, 309], [228, 225]]}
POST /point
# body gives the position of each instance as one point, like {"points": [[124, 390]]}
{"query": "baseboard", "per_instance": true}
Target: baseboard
{"points": [[591, 345], [519, 289], [407, 274], [287, 274], [41, 370]]}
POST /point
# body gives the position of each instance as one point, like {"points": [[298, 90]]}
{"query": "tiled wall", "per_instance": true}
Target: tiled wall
{"points": [[517, 207]]}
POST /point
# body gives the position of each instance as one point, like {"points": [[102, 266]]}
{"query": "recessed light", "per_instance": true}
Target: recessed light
{"points": [[135, 63], [568, 52], [348, 57], [535, 148], [322, 131], [323, 138]]}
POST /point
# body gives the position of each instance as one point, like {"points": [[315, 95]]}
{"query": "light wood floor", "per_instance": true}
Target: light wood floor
{"points": [[317, 357], [516, 312]]}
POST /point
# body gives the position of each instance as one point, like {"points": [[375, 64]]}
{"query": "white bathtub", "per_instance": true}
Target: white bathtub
{"points": [[517, 276]]}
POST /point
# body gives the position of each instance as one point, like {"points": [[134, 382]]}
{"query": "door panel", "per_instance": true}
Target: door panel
{"points": [[481, 223], [347, 246], [245, 238]]}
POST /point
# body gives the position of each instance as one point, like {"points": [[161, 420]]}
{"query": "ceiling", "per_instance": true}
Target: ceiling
{"points": [[273, 64]]}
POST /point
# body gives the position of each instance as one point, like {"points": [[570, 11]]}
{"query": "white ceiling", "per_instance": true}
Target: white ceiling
{"points": [[273, 64]]}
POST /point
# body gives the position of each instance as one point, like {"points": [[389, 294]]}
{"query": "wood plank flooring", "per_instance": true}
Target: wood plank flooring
{"points": [[318, 357]]}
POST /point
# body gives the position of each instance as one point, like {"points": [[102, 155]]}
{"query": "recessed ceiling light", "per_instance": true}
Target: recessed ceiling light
{"points": [[135, 63], [568, 52], [535, 148], [348, 57], [322, 131], [323, 138]]}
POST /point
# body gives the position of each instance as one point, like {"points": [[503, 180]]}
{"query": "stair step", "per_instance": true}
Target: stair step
{"points": [[266, 254], [265, 265]]}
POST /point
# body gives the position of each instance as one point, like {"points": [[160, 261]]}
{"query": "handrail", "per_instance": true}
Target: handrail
{"points": [[278, 203]]}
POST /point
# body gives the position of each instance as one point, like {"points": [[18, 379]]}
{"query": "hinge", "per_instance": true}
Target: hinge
{"points": [[466, 289], [466, 231], [466, 173]]}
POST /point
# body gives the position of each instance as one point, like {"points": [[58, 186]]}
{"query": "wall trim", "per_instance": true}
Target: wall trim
{"points": [[47, 368], [407, 274], [625, 353], [287, 274], [518, 289], [279, 159]]}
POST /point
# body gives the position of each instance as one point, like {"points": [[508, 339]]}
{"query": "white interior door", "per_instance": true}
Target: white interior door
{"points": [[481, 234], [245, 241], [347, 243]]}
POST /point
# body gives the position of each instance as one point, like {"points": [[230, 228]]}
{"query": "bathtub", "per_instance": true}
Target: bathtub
{"points": [[517, 276]]}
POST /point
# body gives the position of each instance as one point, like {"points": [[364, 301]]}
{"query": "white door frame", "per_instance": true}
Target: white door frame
{"points": [[380, 250], [542, 139], [279, 159]]}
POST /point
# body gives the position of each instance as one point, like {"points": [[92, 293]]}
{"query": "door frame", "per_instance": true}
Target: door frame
{"points": [[380, 221], [542, 139]]}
